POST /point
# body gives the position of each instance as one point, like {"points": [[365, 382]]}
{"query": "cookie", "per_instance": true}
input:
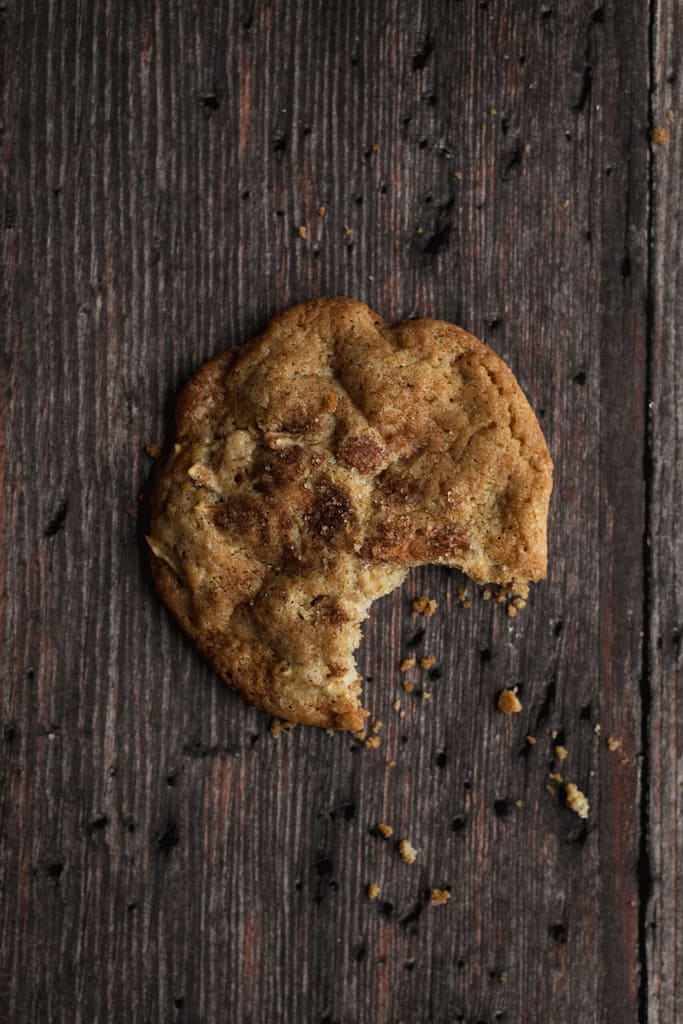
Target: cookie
{"points": [[312, 468]]}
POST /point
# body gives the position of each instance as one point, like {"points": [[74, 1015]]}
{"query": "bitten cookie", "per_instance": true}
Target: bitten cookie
{"points": [[314, 466]]}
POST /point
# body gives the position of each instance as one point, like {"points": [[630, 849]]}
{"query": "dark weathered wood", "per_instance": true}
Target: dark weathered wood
{"points": [[662, 862], [162, 857]]}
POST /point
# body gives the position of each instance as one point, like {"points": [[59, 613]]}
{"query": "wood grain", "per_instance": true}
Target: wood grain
{"points": [[662, 863], [162, 857]]}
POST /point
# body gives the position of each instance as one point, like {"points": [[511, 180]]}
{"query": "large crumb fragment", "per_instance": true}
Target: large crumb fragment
{"points": [[385, 830], [408, 663], [407, 852], [437, 897], [373, 891], [575, 800], [561, 753], [509, 703], [427, 662]]}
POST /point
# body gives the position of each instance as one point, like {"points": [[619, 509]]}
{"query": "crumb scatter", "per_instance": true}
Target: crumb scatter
{"points": [[424, 606]]}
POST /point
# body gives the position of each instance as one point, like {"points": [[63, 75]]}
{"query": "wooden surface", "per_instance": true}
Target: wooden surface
{"points": [[162, 857]]}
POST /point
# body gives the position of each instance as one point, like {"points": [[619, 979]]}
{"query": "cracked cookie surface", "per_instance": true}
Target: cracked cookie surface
{"points": [[312, 468]]}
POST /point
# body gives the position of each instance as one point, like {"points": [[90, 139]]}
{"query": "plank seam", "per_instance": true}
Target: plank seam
{"points": [[645, 880]]}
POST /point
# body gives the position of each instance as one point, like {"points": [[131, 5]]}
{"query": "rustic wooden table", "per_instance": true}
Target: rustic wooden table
{"points": [[492, 163]]}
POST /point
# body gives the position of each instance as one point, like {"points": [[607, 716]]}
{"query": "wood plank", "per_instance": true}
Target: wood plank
{"points": [[163, 858], [661, 865]]}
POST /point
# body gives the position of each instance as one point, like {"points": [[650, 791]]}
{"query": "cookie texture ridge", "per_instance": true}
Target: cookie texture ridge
{"points": [[312, 468]]}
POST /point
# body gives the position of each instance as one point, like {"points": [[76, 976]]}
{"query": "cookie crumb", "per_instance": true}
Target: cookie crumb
{"points": [[322, 210], [437, 897], [375, 147], [409, 687], [511, 611], [424, 606], [408, 663], [372, 742], [612, 743], [377, 726], [519, 603], [623, 761], [597, 729], [519, 803], [555, 776], [458, 175], [347, 230], [527, 148], [531, 740], [427, 662], [153, 450], [396, 705], [575, 800], [373, 891], [407, 852], [508, 702], [554, 733], [486, 594], [561, 753], [391, 764], [302, 232], [384, 829], [277, 727], [660, 136], [426, 694], [549, 789]]}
